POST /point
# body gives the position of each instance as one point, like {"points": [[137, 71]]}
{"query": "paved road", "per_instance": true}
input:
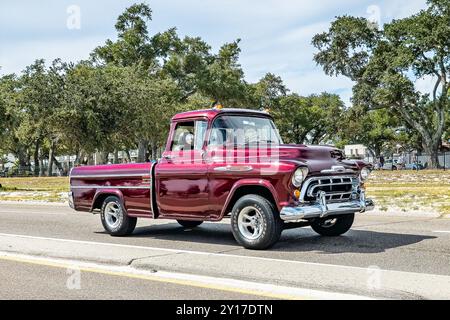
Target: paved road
{"points": [[412, 254], [19, 280]]}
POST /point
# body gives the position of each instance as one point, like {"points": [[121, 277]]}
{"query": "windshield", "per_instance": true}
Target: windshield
{"points": [[243, 130]]}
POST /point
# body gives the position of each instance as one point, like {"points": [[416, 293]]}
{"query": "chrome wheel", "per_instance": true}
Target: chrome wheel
{"points": [[328, 223], [250, 223], [112, 214]]}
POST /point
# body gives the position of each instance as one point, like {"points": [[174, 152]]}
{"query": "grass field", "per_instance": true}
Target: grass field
{"points": [[411, 190], [52, 189], [425, 190]]}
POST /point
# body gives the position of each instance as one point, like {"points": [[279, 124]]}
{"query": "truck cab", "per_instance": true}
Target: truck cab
{"points": [[228, 163]]}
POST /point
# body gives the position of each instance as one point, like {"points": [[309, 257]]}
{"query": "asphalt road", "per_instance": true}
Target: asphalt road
{"points": [[19, 280], [412, 255]]}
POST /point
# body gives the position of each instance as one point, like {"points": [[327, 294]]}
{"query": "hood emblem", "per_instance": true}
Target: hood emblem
{"points": [[337, 169]]}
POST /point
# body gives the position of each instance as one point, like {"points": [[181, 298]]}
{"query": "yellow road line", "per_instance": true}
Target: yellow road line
{"points": [[191, 283]]}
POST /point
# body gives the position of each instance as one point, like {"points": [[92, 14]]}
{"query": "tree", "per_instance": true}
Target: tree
{"points": [[377, 129], [266, 93], [312, 119], [383, 64], [225, 78], [8, 117]]}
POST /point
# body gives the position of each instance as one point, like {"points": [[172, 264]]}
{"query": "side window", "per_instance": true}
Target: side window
{"points": [[189, 135], [199, 134]]}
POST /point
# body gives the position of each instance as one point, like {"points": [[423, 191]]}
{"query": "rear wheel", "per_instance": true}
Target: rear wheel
{"points": [[333, 226], [255, 223], [189, 224], [114, 218]]}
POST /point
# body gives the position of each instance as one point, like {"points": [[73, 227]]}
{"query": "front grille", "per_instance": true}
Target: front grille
{"points": [[335, 188]]}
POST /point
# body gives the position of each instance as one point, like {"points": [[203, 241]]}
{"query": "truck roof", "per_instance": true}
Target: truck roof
{"points": [[211, 113]]}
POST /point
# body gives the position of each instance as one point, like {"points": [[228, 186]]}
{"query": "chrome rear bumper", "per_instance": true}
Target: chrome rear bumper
{"points": [[322, 209], [71, 204]]}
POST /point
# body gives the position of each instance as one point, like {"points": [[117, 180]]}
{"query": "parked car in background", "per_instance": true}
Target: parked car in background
{"points": [[414, 166], [390, 165]]}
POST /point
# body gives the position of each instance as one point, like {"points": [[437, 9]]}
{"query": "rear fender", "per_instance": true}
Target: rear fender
{"points": [[105, 193]]}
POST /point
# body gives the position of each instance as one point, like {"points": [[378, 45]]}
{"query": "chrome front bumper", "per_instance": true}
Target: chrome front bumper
{"points": [[322, 209]]}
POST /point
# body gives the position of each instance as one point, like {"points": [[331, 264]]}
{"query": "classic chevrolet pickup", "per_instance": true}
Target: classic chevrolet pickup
{"points": [[232, 163]]}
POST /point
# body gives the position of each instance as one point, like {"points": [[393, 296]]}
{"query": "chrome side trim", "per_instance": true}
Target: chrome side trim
{"points": [[337, 169], [87, 176], [231, 168], [110, 187]]}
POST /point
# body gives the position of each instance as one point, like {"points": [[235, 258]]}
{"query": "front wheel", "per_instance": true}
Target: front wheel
{"points": [[114, 218], [255, 223], [333, 226]]}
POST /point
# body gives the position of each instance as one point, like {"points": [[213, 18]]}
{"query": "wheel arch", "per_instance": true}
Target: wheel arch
{"points": [[101, 195], [244, 187]]}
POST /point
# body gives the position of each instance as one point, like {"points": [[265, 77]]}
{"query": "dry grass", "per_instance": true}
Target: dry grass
{"points": [[411, 190], [50, 189]]}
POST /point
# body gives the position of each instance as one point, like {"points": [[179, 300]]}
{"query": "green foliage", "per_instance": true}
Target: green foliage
{"points": [[266, 93], [385, 63], [314, 119]]}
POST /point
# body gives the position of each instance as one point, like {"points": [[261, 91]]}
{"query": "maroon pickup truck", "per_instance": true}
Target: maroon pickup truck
{"points": [[228, 163]]}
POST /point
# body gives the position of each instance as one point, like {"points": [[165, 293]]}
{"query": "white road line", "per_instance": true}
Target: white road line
{"points": [[176, 250], [202, 253], [441, 231], [224, 284]]}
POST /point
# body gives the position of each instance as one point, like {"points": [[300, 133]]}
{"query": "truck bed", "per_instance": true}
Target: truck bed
{"points": [[132, 183]]}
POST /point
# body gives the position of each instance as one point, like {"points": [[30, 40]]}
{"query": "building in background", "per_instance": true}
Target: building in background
{"points": [[355, 151]]}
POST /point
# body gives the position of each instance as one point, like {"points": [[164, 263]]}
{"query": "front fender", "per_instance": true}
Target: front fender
{"points": [[250, 182]]}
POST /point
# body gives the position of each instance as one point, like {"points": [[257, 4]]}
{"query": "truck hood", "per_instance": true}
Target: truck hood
{"points": [[320, 159]]}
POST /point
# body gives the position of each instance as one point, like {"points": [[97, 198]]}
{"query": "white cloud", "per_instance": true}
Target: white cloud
{"points": [[397, 9]]}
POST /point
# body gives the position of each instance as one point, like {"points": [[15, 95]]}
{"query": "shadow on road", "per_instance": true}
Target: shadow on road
{"points": [[303, 239]]}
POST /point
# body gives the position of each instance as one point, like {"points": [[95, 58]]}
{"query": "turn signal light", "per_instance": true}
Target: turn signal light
{"points": [[297, 194]]}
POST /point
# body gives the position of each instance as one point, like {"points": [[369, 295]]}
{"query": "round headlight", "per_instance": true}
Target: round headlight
{"points": [[299, 176], [364, 173]]}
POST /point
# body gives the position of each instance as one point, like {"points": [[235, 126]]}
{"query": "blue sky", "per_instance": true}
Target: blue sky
{"points": [[276, 34]]}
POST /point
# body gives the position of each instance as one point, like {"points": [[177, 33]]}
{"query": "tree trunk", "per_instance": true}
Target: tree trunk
{"points": [[142, 150], [116, 156], [58, 165], [432, 154], [127, 152], [41, 165], [154, 151], [36, 158], [102, 157], [431, 137], [22, 159], [50, 158]]}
